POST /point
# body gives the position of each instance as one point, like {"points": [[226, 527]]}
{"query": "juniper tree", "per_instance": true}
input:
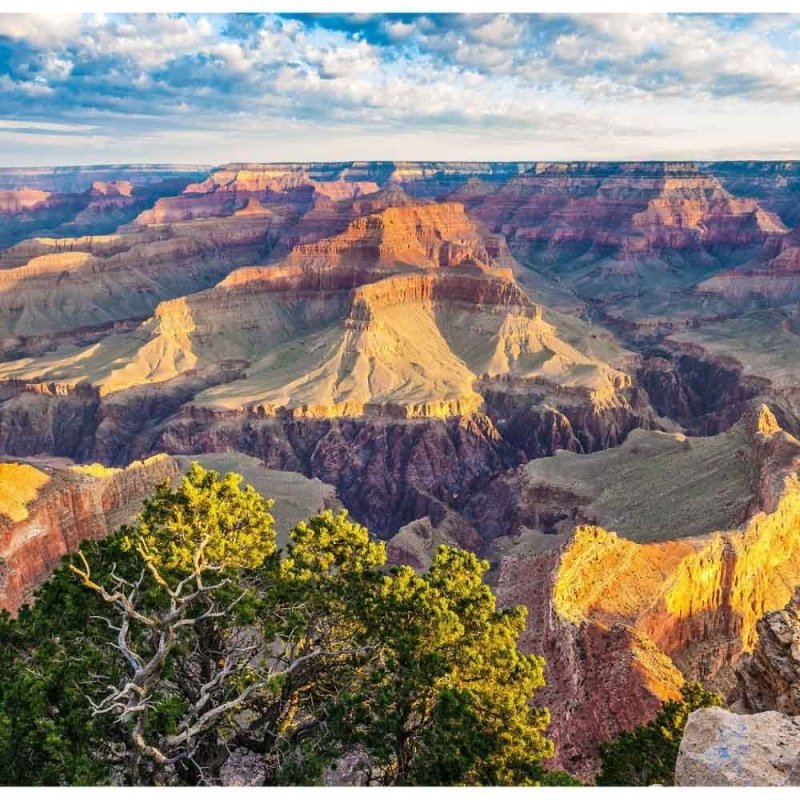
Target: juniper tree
{"points": [[150, 657]]}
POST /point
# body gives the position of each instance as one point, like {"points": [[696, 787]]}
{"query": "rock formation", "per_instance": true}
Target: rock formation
{"points": [[106, 279], [627, 210], [683, 607], [724, 749], [48, 506], [58, 506], [762, 746], [69, 201], [405, 337], [769, 677]]}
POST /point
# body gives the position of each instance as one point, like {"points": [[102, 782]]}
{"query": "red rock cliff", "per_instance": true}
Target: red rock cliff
{"points": [[70, 505]]}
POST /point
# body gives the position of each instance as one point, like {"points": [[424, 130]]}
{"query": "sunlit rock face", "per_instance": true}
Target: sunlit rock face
{"points": [[634, 208], [759, 745], [769, 677], [673, 595], [48, 506], [588, 373]]}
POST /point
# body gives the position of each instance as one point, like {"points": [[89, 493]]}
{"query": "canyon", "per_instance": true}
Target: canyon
{"points": [[587, 373], [757, 741]]}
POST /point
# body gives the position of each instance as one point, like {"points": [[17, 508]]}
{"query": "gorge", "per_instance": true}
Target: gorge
{"points": [[587, 373]]}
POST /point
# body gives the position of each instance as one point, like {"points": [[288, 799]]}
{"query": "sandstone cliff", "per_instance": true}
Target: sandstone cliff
{"points": [[48, 506], [660, 611], [53, 285], [70, 503], [769, 677], [331, 320], [762, 747]]}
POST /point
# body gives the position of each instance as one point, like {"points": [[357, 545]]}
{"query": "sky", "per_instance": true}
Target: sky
{"points": [[212, 88]]}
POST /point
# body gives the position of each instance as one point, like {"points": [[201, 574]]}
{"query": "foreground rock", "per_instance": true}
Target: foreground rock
{"points": [[762, 749], [724, 749]]}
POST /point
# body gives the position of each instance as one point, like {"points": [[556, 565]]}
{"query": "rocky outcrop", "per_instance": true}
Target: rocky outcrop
{"points": [[772, 278], [68, 201], [761, 747], [16, 200], [229, 191], [659, 611], [422, 235], [633, 209], [697, 209], [56, 420], [48, 506], [415, 543], [769, 677], [719, 748], [75, 503], [703, 393], [387, 473], [122, 276]]}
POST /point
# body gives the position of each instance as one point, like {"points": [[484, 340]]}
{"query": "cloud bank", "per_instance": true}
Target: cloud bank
{"points": [[96, 88]]}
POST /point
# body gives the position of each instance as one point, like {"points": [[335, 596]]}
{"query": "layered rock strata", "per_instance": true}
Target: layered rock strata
{"points": [[622, 624], [769, 677], [70, 504]]}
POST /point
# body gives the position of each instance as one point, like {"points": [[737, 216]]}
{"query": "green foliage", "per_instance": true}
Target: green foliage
{"points": [[647, 754], [448, 703], [559, 778], [48, 656], [233, 525], [300, 657]]}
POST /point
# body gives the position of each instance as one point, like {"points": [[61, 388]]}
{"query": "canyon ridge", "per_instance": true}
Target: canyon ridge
{"points": [[586, 373]]}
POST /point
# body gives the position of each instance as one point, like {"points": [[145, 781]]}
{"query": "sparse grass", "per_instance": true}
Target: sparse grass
{"points": [[760, 341], [659, 486]]}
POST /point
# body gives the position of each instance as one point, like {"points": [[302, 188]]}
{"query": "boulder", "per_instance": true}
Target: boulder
{"points": [[720, 748]]}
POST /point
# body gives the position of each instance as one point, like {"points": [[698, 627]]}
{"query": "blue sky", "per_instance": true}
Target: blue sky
{"points": [[98, 88]]}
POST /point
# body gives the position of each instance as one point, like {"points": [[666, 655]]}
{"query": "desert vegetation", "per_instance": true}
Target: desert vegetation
{"points": [[189, 649], [647, 754]]}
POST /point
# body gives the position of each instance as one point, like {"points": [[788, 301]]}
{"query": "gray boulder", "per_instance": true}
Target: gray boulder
{"points": [[724, 749]]}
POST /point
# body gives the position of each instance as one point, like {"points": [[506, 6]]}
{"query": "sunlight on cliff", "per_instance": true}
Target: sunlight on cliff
{"points": [[19, 486]]}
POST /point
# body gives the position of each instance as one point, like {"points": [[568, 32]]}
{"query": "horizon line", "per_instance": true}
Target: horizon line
{"points": [[222, 164]]}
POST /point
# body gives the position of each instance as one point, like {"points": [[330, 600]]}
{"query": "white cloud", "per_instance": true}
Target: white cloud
{"points": [[150, 41], [503, 31], [32, 88], [398, 30], [603, 83], [690, 54], [40, 29]]}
